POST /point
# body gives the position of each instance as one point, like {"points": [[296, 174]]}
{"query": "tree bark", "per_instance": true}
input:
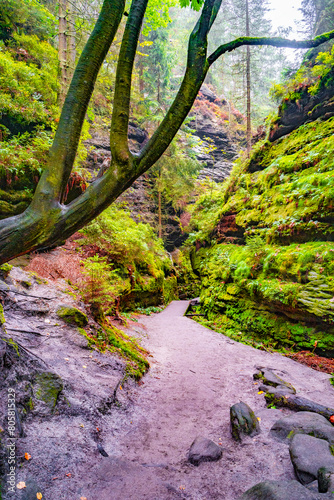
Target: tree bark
{"points": [[71, 45], [141, 69], [62, 50], [159, 215], [248, 85]]}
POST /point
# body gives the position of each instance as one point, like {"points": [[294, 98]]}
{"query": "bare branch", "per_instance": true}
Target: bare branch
{"points": [[274, 42]]}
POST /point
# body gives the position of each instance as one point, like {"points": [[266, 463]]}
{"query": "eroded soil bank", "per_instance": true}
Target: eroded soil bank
{"points": [[195, 376]]}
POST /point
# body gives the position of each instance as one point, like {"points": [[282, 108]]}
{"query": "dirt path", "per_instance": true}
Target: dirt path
{"points": [[195, 376]]}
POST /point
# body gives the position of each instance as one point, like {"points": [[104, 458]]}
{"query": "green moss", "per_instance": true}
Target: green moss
{"points": [[277, 296], [2, 316], [5, 269], [109, 338], [47, 387], [170, 289], [273, 285], [26, 283], [73, 316], [38, 279]]}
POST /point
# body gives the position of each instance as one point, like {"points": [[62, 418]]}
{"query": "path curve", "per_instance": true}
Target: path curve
{"points": [[196, 375]]}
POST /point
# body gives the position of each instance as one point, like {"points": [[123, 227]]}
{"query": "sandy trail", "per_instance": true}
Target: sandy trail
{"points": [[195, 376]]}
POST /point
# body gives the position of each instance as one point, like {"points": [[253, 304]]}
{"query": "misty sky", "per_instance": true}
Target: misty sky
{"points": [[284, 13]]}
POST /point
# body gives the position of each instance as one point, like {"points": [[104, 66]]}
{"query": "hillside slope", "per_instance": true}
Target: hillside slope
{"points": [[264, 242]]}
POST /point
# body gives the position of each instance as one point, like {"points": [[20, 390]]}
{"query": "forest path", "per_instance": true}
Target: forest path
{"points": [[196, 375]]}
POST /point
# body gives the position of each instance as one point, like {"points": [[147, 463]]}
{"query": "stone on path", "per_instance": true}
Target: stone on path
{"points": [[308, 454], [72, 315], [303, 422], [280, 490], [204, 450], [271, 380], [326, 480], [243, 421], [298, 403]]}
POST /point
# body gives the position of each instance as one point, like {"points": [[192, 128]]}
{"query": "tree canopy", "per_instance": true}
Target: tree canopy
{"points": [[47, 220]]}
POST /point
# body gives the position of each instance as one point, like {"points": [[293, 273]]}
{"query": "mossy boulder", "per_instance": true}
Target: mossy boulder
{"points": [[243, 421], [73, 316], [47, 387]]}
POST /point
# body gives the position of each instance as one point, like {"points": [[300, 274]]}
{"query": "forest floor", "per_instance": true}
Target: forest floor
{"points": [[195, 376]]}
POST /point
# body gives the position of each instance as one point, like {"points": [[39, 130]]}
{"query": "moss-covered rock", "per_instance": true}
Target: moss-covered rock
{"points": [[263, 244], [72, 315], [47, 387]]}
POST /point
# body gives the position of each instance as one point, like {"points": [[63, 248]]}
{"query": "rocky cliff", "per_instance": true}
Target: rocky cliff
{"points": [[265, 241], [221, 130]]}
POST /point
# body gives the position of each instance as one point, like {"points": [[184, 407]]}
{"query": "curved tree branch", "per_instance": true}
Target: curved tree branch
{"points": [[274, 42], [120, 117]]}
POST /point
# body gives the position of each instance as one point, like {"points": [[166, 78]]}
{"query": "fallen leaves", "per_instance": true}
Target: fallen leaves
{"points": [[39, 496], [68, 474], [27, 456], [83, 498], [260, 392], [331, 419], [21, 485]]}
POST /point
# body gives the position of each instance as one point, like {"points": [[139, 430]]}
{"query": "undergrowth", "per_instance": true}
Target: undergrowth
{"points": [[112, 339]]}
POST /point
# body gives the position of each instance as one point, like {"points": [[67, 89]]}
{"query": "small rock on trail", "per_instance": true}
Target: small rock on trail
{"points": [[204, 450]]}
